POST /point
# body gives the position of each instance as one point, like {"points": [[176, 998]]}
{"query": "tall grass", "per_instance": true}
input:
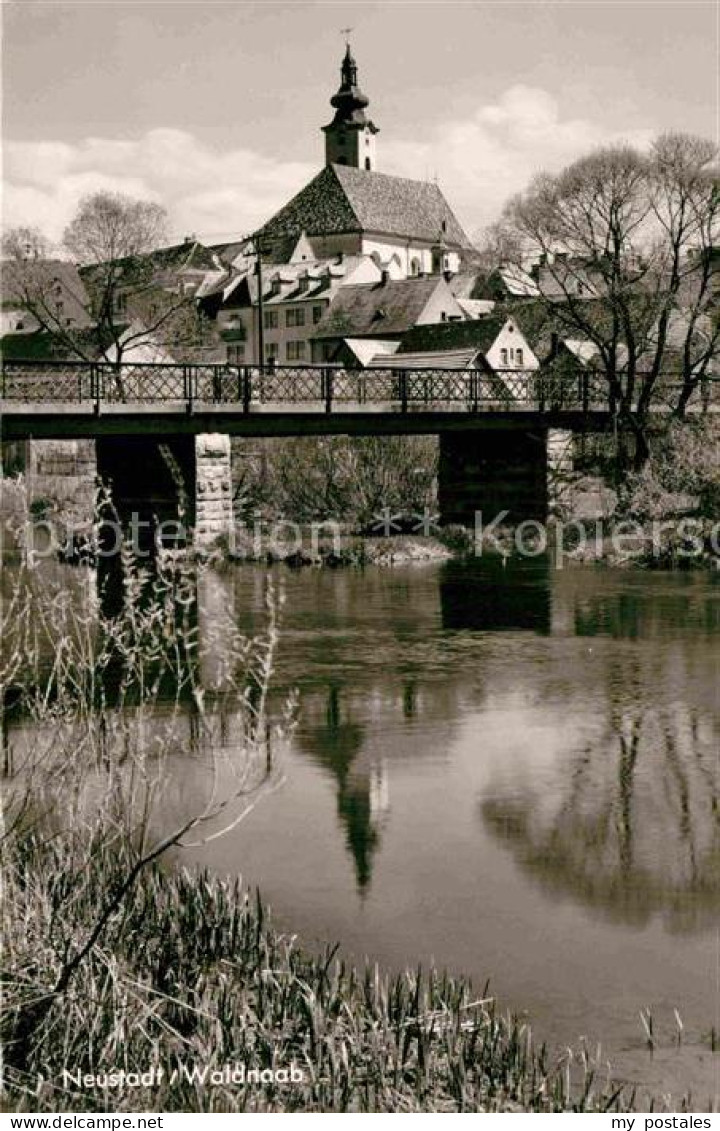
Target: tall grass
{"points": [[191, 973]]}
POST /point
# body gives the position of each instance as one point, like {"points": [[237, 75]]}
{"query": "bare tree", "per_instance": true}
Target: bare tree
{"points": [[125, 291], [623, 241]]}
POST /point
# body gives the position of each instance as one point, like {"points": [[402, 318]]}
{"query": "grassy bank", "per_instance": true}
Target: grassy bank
{"points": [[192, 975]]}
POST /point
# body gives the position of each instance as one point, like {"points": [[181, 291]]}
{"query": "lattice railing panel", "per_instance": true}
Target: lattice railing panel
{"points": [[321, 387], [54, 384]]}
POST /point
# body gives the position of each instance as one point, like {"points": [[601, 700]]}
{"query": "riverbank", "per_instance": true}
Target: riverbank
{"points": [[194, 1002]]}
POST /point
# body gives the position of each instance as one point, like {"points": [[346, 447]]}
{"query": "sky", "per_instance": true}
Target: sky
{"points": [[213, 109]]}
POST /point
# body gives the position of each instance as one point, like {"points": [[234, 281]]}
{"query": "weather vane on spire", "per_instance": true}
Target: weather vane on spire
{"points": [[345, 32]]}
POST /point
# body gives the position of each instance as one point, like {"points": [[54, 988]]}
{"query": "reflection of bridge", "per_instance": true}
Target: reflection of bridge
{"points": [[502, 433]]}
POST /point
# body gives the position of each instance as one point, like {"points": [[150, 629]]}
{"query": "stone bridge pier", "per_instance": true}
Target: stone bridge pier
{"points": [[523, 473], [171, 489]]}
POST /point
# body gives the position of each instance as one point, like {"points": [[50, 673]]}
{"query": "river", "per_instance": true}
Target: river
{"points": [[512, 772]]}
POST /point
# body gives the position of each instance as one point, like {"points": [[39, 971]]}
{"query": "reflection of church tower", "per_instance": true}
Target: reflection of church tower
{"points": [[350, 137], [363, 792]]}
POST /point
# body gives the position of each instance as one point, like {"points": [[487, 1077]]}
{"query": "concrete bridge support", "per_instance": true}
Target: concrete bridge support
{"points": [[521, 473]]}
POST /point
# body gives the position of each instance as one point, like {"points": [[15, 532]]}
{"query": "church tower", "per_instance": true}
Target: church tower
{"points": [[350, 137]]}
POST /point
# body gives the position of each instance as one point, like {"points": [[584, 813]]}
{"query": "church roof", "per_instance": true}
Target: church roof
{"points": [[342, 198]]}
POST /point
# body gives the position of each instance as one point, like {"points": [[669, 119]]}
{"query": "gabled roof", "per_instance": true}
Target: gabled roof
{"points": [[378, 309], [162, 262], [507, 281], [476, 307], [49, 280], [367, 349], [227, 253], [479, 334], [342, 198]]}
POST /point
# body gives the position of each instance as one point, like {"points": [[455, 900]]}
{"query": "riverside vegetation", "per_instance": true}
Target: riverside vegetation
{"points": [[116, 961]]}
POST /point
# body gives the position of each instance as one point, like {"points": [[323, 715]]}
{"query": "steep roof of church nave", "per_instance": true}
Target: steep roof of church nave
{"points": [[342, 198]]}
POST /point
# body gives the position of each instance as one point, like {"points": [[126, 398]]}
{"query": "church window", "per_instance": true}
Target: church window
{"points": [[367, 162], [415, 265]]}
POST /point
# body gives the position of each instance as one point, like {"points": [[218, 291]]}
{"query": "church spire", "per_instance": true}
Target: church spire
{"points": [[350, 137]]}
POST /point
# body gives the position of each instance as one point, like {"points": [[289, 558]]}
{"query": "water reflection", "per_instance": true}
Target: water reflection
{"points": [[338, 743], [497, 595]]}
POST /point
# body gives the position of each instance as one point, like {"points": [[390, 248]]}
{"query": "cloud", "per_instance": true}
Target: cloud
{"points": [[482, 161], [217, 193]]}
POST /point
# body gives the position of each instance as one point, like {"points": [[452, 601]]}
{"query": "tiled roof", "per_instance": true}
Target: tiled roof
{"points": [[342, 198], [377, 309], [480, 334], [437, 359], [163, 262]]}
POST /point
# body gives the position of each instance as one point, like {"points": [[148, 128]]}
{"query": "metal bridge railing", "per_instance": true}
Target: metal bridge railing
{"points": [[327, 387]]}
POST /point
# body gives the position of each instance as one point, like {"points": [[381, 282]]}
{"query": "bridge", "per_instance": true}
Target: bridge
{"points": [[504, 434]]}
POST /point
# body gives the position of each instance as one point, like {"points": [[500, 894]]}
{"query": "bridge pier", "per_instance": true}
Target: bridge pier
{"points": [[171, 490], [213, 490], [523, 473]]}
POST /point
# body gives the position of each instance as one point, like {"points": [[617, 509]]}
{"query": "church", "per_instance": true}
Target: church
{"points": [[394, 242], [350, 208]]}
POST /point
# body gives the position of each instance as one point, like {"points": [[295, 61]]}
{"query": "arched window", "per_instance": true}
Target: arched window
{"points": [[414, 266], [367, 162]]}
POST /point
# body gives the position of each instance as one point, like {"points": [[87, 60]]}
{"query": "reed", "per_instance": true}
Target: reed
{"points": [[191, 975]]}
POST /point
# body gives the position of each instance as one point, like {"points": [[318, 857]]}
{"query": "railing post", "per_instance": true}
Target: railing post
{"points": [[247, 389], [328, 389], [98, 375], [216, 385], [585, 393], [403, 390]]}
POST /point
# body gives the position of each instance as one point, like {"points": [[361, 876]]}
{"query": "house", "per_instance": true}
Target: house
{"points": [[350, 207], [43, 294], [562, 277], [295, 299], [384, 310], [508, 282], [498, 338], [140, 286]]}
